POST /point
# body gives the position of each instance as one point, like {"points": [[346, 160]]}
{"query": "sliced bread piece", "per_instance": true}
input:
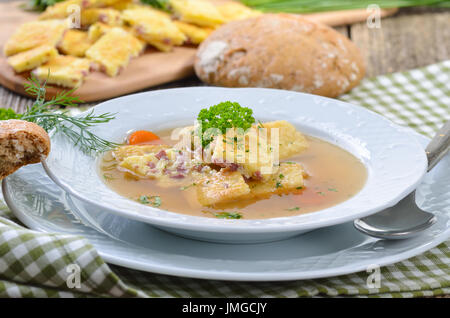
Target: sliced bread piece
{"points": [[21, 143]]}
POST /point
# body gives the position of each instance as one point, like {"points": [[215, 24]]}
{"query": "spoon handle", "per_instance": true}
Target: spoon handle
{"points": [[438, 146]]}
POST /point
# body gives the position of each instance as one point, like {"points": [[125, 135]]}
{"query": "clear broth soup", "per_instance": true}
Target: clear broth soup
{"points": [[334, 176]]}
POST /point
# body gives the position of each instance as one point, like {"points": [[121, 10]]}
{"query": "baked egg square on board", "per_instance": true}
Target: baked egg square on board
{"points": [[32, 34], [96, 30], [114, 50], [194, 34], [28, 60], [236, 11], [63, 70], [105, 3], [104, 15], [153, 26], [61, 10], [199, 12], [75, 43]]}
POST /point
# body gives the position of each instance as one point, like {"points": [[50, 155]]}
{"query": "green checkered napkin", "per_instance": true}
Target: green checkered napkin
{"points": [[34, 264]]}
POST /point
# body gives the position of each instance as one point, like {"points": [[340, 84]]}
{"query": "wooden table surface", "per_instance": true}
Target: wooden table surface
{"points": [[412, 38]]}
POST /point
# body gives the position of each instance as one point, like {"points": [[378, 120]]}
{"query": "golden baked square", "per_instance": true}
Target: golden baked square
{"points": [[114, 50], [28, 60], [32, 34], [62, 10], [291, 141], [195, 34], [136, 150], [288, 178], [123, 5], [199, 12], [250, 151], [221, 187], [104, 15], [153, 26], [75, 43], [96, 30], [105, 3], [63, 70], [232, 10]]}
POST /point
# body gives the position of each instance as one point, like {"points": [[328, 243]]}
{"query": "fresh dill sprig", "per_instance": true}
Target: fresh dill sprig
{"points": [[45, 114]]}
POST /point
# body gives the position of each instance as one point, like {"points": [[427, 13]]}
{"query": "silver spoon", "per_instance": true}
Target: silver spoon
{"points": [[405, 219]]}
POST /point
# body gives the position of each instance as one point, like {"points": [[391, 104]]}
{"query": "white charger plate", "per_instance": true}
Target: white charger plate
{"points": [[393, 157], [330, 251]]}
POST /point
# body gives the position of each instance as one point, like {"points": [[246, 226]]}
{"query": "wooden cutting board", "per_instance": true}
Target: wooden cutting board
{"points": [[150, 69]]}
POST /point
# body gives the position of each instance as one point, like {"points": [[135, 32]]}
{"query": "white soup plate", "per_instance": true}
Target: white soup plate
{"points": [[394, 158]]}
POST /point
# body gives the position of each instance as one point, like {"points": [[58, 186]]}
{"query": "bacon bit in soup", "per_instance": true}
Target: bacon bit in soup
{"points": [[162, 154], [141, 137]]}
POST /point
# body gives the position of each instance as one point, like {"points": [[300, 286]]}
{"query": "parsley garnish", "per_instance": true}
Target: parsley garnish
{"points": [[321, 193], [332, 190], [6, 114], [278, 185], [299, 188], [153, 200], [222, 116], [295, 208], [281, 176]]}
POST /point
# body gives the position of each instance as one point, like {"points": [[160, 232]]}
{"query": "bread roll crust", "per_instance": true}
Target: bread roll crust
{"points": [[280, 51], [21, 143]]}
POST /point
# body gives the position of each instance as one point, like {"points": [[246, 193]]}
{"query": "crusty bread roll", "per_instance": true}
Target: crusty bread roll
{"points": [[280, 51], [21, 143]]}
